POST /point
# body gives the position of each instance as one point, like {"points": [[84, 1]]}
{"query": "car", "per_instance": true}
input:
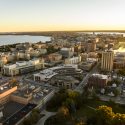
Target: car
{"points": [[46, 90]]}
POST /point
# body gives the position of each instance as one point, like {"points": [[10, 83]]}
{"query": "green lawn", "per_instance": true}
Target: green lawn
{"points": [[95, 103], [85, 111], [116, 107]]}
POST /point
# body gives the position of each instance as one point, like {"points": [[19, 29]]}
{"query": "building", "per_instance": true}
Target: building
{"points": [[98, 80], [11, 57], [67, 52], [43, 51], [87, 65], [77, 47], [118, 65], [23, 46], [6, 90], [119, 61], [54, 57], [47, 74], [3, 60], [22, 55], [68, 82], [90, 45], [22, 67], [107, 61], [73, 60]]}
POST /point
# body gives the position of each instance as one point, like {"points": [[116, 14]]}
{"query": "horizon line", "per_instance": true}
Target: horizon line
{"points": [[64, 31]]}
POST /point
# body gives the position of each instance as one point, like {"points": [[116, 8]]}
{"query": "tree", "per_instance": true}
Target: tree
{"points": [[27, 121], [81, 122], [116, 92], [105, 115], [63, 112], [111, 103], [119, 119], [70, 104], [121, 73], [76, 97], [51, 49], [35, 115], [60, 96]]}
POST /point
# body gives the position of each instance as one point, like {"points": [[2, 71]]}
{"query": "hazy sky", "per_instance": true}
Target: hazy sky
{"points": [[41, 15]]}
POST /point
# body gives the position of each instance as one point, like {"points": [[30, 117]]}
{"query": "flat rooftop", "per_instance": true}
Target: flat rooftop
{"points": [[100, 76]]}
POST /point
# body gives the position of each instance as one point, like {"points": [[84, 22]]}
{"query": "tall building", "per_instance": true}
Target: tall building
{"points": [[107, 61], [90, 45], [67, 52]]}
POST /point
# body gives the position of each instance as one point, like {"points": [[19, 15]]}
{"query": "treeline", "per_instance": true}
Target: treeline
{"points": [[105, 116], [65, 98], [67, 103]]}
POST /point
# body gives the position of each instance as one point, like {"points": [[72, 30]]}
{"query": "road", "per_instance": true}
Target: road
{"points": [[117, 100], [83, 83], [44, 118]]}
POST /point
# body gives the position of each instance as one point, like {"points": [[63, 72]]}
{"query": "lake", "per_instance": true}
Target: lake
{"points": [[11, 39]]}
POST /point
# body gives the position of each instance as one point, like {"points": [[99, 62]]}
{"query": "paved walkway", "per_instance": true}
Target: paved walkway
{"points": [[91, 107], [44, 118]]}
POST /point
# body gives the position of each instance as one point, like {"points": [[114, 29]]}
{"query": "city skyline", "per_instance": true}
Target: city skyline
{"points": [[61, 15]]}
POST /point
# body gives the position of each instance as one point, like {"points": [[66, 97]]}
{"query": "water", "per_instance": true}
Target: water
{"points": [[11, 39]]}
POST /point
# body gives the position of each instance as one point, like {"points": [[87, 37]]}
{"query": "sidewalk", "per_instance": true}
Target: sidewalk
{"points": [[44, 118], [117, 100]]}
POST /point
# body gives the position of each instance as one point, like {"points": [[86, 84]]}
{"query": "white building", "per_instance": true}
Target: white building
{"points": [[21, 67], [47, 74], [73, 60]]}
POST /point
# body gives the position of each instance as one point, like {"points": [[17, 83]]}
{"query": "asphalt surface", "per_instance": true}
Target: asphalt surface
{"points": [[83, 83], [44, 118], [19, 115], [10, 108]]}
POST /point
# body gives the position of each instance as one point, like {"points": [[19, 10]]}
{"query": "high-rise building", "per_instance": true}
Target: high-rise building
{"points": [[90, 46], [67, 52], [107, 61]]}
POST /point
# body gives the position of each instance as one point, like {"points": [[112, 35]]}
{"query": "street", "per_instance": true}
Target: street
{"points": [[44, 118], [83, 83]]}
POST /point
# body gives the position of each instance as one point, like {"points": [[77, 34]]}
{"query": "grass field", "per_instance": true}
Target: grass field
{"points": [[87, 110]]}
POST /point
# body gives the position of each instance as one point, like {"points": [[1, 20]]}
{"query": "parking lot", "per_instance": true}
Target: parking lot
{"points": [[10, 108], [19, 114]]}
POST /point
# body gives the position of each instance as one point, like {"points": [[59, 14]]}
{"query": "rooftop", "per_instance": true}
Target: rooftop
{"points": [[20, 64], [101, 76], [49, 73]]}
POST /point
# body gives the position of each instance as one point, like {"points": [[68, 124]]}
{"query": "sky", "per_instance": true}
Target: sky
{"points": [[61, 15]]}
